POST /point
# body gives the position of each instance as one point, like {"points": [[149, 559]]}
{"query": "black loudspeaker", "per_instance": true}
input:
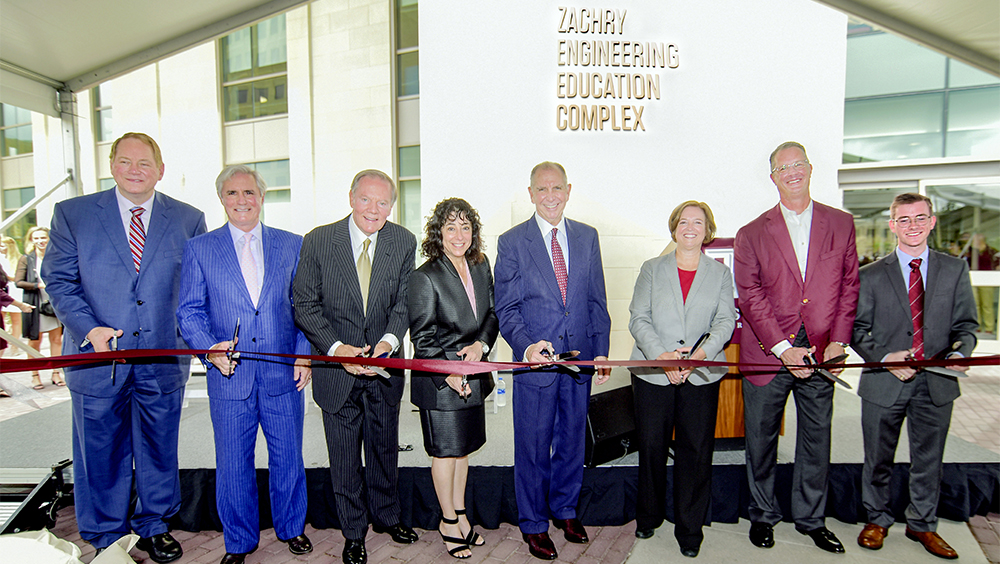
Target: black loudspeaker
{"points": [[610, 426]]}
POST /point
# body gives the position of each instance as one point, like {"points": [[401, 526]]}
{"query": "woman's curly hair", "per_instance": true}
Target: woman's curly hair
{"points": [[432, 246]]}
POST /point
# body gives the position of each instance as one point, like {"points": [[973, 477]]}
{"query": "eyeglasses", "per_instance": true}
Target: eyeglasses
{"points": [[797, 165], [920, 220]]}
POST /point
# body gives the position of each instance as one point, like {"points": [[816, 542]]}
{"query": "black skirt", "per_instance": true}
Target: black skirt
{"points": [[453, 434]]}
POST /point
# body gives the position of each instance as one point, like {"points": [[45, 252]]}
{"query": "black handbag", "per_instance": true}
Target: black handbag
{"points": [[46, 309]]}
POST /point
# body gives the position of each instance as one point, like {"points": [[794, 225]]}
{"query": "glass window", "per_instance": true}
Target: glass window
{"points": [[898, 127], [408, 68], [961, 74], [15, 131], [19, 228], [278, 178], [409, 161], [102, 113], [870, 209], [257, 51], [406, 24], [105, 184], [974, 123], [881, 63], [409, 206]]}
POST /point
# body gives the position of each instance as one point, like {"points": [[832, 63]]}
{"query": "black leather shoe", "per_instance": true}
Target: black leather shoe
{"points": [[572, 529], [399, 533], [162, 548], [354, 552], [690, 552], [643, 533], [540, 546], [762, 535], [299, 544], [825, 539], [236, 557]]}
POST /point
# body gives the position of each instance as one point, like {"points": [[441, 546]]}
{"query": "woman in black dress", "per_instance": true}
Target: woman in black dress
{"points": [[451, 317]]}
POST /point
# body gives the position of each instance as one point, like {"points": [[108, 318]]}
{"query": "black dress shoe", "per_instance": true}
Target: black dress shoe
{"points": [[572, 529], [690, 552], [162, 548], [399, 533], [234, 557], [540, 546], [354, 552], [299, 544], [762, 535], [643, 533], [825, 539]]}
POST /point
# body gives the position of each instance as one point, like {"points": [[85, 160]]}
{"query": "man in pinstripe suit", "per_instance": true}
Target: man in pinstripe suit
{"points": [[350, 301], [242, 274]]}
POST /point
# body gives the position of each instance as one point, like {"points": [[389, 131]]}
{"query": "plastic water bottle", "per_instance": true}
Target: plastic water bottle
{"points": [[501, 399]]}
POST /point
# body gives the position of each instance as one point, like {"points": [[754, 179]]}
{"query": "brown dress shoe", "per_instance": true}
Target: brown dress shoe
{"points": [[933, 543], [540, 546], [871, 536], [572, 529]]}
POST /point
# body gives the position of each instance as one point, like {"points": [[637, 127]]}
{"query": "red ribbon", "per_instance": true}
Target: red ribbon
{"points": [[441, 366]]}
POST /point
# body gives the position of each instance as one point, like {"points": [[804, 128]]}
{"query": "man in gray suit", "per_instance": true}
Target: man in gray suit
{"points": [[350, 301], [914, 304]]}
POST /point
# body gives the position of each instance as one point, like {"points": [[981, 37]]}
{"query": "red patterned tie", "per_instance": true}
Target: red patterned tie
{"points": [[559, 264], [916, 293], [136, 235]]}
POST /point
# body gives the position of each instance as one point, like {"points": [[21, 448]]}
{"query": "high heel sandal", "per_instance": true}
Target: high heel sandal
{"points": [[453, 540], [36, 382], [57, 379], [473, 538]]}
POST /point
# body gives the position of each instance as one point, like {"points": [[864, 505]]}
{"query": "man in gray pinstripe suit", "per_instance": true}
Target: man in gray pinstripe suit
{"points": [[350, 301]]}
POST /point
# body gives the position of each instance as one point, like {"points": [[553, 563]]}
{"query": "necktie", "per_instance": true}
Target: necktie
{"points": [[364, 272], [916, 293], [559, 264], [249, 267], [136, 235]]}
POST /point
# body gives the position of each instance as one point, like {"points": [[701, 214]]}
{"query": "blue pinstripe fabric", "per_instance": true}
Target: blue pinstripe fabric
{"points": [[213, 296]]}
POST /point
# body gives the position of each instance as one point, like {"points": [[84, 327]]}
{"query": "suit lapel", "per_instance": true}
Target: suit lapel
{"points": [[694, 294], [230, 262], [269, 248], [344, 254], [670, 272], [111, 219], [783, 241], [536, 248], [155, 228], [819, 233], [578, 274], [895, 281]]}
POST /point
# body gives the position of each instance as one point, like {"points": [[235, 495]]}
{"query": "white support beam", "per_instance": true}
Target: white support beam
{"points": [[181, 43]]}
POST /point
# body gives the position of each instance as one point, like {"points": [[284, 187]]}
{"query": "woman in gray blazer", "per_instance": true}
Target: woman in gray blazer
{"points": [[679, 297], [451, 317]]}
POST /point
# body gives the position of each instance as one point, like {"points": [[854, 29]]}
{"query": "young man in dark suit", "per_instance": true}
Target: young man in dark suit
{"points": [[915, 303], [350, 301], [112, 271]]}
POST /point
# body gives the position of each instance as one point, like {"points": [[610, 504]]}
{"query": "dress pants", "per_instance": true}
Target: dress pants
{"points": [[764, 407], [549, 441], [366, 419], [690, 411], [927, 428], [235, 424], [136, 428]]}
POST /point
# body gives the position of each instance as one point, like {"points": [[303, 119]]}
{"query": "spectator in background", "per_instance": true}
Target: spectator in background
{"points": [[42, 318], [981, 256], [9, 257]]}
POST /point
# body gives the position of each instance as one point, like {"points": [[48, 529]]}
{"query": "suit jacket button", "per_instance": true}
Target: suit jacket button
{"points": [[139, 302], [560, 337], [681, 341], [254, 339], [567, 314], [792, 337], [805, 300], [135, 333], [256, 313]]}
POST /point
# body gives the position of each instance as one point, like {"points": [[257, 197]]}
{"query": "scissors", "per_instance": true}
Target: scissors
{"points": [[561, 357], [114, 362], [377, 370], [697, 345], [811, 360], [465, 380], [233, 355], [941, 370]]}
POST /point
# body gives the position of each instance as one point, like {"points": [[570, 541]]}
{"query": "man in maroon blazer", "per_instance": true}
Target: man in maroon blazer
{"points": [[796, 268]]}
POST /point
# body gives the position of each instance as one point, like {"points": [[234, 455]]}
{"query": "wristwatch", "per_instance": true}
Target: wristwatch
{"points": [[486, 348]]}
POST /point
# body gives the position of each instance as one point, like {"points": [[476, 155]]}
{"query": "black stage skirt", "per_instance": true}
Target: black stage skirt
{"points": [[453, 434]]}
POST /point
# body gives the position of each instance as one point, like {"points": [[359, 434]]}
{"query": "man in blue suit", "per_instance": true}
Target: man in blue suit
{"points": [[241, 273], [550, 298], [112, 272]]}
